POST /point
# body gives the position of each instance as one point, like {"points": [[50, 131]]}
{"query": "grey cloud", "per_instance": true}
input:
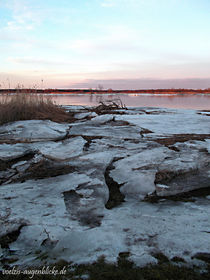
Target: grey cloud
{"points": [[145, 83]]}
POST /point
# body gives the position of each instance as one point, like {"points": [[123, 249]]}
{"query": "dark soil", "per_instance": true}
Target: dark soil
{"points": [[89, 140], [185, 197], [203, 257], [171, 140], [10, 237], [4, 165], [45, 169], [115, 196]]}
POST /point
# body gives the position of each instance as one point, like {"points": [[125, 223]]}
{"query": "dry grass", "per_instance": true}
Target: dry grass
{"points": [[27, 105], [123, 270]]}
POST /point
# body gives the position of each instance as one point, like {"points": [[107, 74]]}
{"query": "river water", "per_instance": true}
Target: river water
{"points": [[176, 101], [179, 101]]}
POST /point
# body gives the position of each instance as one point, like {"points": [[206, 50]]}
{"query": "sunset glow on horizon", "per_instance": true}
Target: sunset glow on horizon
{"points": [[116, 43]]}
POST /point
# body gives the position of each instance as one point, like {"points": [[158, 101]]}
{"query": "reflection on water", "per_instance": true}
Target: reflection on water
{"points": [[180, 101]]}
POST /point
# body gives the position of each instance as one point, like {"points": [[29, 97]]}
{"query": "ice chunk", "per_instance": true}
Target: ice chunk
{"points": [[33, 130]]}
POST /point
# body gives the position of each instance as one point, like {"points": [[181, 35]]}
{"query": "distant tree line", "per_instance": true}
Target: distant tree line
{"points": [[101, 90]]}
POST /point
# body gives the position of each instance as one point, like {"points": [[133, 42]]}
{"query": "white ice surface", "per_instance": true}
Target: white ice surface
{"points": [[138, 227], [9, 152], [53, 210], [63, 150], [93, 129], [33, 130], [84, 115], [133, 173], [181, 122]]}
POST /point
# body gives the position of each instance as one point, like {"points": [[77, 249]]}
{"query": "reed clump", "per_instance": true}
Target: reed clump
{"points": [[26, 105]]}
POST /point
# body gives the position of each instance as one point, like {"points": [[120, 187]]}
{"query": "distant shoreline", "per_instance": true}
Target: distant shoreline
{"points": [[109, 91]]}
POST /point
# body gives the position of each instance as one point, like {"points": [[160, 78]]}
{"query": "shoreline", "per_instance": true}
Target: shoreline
{"points": [[109, 91]]}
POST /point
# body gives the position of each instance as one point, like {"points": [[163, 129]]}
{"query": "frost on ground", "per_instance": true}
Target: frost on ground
{"points": [[136, 182]]}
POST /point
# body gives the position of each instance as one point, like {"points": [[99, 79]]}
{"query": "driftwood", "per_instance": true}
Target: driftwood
{"points": [[107, 106]]}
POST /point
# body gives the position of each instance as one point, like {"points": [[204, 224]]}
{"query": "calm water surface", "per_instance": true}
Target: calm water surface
{"points": [[179, 101]]}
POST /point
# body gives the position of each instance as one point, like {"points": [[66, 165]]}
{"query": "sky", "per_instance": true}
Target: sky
{"points": [[113, 43]]}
